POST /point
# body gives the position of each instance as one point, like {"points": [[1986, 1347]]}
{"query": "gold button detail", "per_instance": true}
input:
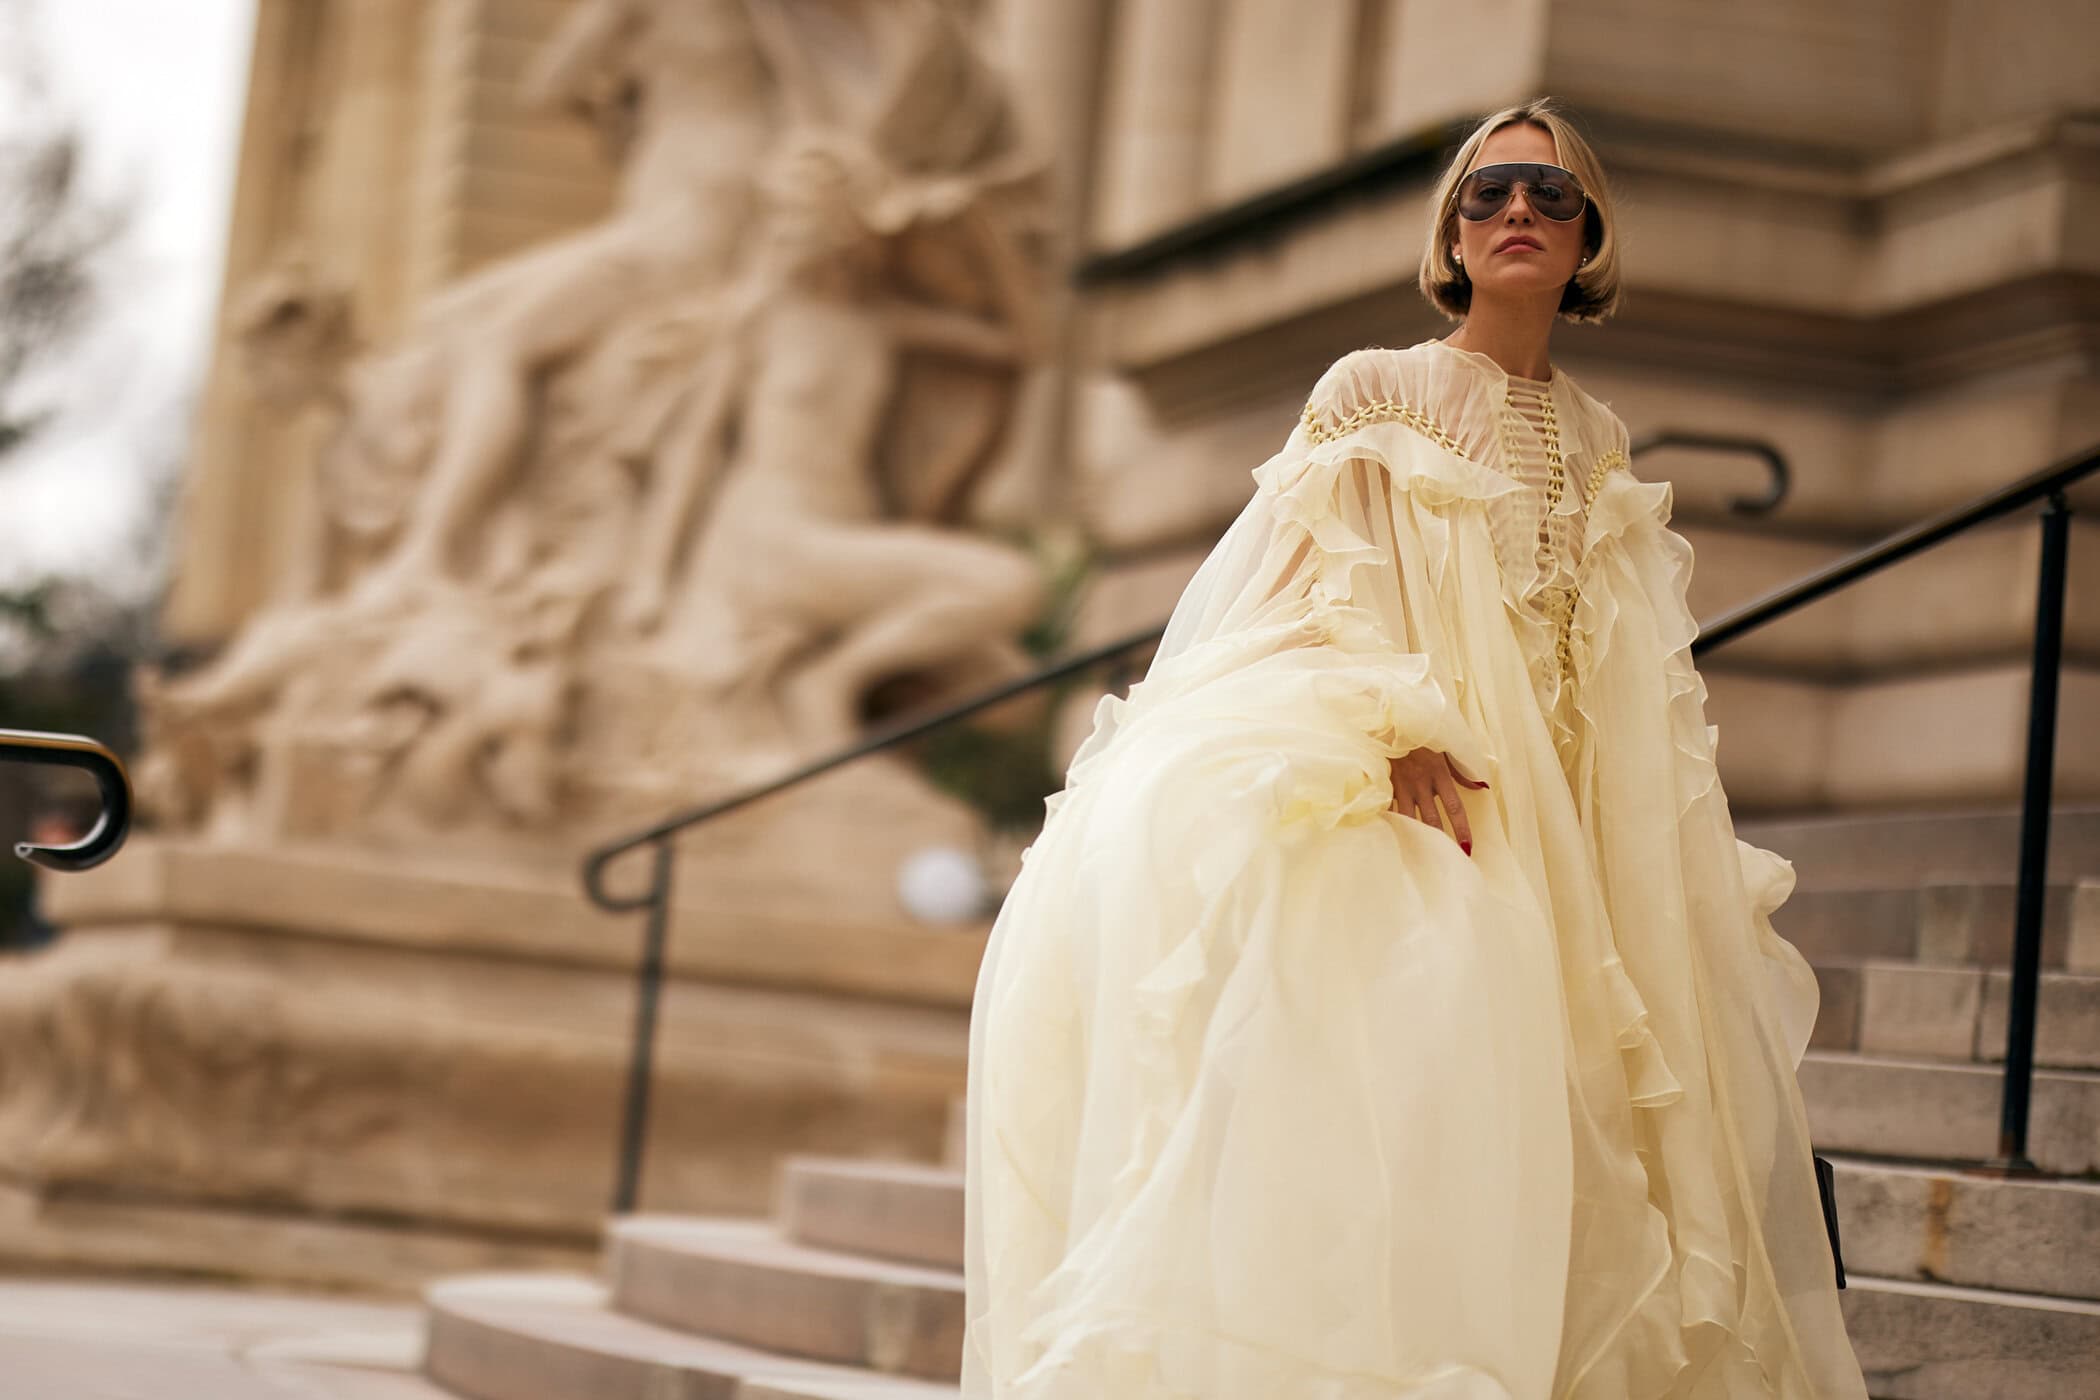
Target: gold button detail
{"points": [[1381, 411]]}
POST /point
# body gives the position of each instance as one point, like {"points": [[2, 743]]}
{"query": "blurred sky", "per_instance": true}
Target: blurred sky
{"points": [[157, 88]]}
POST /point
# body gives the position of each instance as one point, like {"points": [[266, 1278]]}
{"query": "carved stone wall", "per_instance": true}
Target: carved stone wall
{"points": [[625, 514], [606, 400], [384, 145]]}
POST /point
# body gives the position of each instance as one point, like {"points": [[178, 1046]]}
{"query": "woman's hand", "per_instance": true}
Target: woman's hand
{"points": [[1421, 777]]}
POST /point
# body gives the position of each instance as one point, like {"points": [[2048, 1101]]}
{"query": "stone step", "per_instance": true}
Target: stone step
{"points": [[1941, 1225], [889, 1210], [742, 1281], [862, 1387], [1933, 1111], [1958, 737], [1970, 600], [1900, 1221], [1941, 923], [1888, 850], [1935, 1341], [1909, 1221], [1953, 1013], [955, 1142], [553, 1337]]}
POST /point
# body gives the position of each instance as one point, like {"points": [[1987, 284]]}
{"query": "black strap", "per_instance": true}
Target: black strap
{"points": [[1826, 1187]]}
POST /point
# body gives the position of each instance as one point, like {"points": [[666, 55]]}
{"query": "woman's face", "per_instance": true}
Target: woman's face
{"points": [[1558, 255]]}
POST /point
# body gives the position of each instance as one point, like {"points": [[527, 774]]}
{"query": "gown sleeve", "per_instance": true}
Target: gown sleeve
{"points": [[1322, 598]]}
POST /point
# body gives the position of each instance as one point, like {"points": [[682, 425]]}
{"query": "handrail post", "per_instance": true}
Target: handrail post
{"points": [[2034, 837], [634, 1130]]}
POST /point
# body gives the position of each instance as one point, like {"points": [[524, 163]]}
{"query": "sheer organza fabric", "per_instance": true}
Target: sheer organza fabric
{"points": [[1274, 1092]]}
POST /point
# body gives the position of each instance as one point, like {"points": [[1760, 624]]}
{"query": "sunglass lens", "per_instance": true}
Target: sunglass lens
{"points": [[1552, 191]]}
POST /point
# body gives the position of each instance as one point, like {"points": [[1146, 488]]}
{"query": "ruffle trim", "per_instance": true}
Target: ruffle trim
{"points": [[1302, 482], [1703, 1329], [1650, 1083], [1625, 509], [1686, 1307], [1305, 468], [1768, 881]]}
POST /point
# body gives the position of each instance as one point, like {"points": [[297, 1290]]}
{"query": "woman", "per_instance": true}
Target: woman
{"points": [[1279, 1090]]}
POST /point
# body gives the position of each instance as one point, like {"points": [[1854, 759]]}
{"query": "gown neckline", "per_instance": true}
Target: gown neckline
{"points": [[1488, 363]]}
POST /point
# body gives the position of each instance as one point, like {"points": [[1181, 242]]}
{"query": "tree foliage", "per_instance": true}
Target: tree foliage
{"points": [[56, 238], [50, 235], [66, 644]]}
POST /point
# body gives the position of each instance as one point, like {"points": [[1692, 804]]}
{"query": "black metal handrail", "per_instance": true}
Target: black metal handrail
{"points": [[655, 897], [596, 862], [72, 751], [2048, 484], [1774, 460], [2050, 481]]}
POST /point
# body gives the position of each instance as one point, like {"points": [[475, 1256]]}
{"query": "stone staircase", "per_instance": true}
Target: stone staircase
{"points": [[1961, 1284], [853, 1291]]}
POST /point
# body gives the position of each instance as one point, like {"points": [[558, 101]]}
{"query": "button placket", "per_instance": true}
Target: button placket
{"points": [[1556, 601]]}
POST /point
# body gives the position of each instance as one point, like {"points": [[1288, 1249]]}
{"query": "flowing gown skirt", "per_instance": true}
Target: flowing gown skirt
{"points": [[1324, 1148], [1276, 1093]]}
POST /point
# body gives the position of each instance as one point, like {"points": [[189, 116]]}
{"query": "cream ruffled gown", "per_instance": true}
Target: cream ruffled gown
{"points": [[1276, 1094]]}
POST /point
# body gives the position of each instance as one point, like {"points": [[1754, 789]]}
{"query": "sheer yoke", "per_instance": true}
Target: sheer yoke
{"points": [[1547, 436], [1276, 1092]]}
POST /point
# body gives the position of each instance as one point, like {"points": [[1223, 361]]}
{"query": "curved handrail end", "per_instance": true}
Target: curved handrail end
{"points": [[112, 824]]}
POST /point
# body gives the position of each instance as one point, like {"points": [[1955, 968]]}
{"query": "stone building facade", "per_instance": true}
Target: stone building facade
{"points": [[1864, 234], [1856, 234]]}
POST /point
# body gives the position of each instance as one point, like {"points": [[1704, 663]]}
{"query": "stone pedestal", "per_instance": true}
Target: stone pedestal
{"points": [[325, 1067]]}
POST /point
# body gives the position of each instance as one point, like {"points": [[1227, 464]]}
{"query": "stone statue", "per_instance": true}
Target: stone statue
{"points": [[665, 499], [798, 552], [703, 119]]}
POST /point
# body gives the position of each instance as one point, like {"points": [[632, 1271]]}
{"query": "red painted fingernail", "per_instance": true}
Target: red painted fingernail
{"points": [[1466, 846]]}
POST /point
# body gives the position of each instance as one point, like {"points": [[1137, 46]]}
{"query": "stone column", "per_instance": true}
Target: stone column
{"points": [[1051, 52], [221, 569], [1159, 64], [492, 174], [384, 143], [1427, 62], [1285, 74], [364, 198]]}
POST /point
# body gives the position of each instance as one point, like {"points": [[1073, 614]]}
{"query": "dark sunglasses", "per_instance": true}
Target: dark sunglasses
{"points": [[1554, 193]]}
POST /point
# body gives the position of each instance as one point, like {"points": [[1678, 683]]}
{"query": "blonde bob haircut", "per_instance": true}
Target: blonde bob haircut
{"points": [[1592, 293]]}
